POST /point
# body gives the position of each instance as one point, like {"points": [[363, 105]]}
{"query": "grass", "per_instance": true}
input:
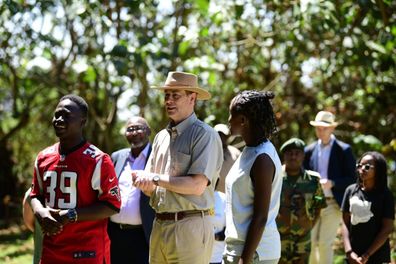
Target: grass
{"points": [[16, 245]]}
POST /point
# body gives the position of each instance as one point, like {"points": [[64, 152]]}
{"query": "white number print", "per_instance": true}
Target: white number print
{"points": [[50, 176], [69, 189]]}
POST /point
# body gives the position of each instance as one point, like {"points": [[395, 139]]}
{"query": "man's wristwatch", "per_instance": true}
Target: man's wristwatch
{"points": [[72, 215], [156, 180]]}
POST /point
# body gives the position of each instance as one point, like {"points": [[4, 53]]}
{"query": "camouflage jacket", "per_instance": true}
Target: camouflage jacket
{"points": [[301, 201]]}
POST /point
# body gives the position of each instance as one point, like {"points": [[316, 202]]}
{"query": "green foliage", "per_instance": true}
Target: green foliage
{"points": [[339, 56], [362, 143]]}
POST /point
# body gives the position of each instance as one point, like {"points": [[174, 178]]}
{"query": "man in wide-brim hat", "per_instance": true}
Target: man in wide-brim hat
{"points": [[335, 162], [324, 119], [179, 177], [181, 91]]}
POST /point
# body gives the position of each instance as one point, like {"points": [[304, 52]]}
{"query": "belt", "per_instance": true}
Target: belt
{"points": [[180, 215], [125, 226]]}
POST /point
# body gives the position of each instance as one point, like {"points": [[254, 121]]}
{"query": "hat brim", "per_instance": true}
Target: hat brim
{"points": [[202, 94], [323, 124], [289, 147]]}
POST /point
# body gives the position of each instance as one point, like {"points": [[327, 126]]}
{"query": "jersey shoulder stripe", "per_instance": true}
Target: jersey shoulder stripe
{"points": [[93, 152], [48, 151]]}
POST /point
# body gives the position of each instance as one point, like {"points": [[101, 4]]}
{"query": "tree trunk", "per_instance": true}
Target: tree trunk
{"points": [[8, 181]]}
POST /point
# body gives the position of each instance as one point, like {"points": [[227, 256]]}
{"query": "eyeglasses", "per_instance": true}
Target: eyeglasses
{"points": [[365, 167], [137, 129]]}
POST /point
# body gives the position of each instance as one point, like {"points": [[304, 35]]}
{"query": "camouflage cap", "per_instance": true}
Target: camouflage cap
{"points": [[293, 143]]}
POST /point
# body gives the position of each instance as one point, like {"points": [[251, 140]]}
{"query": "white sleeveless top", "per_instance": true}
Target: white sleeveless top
{"points": [[239, 204]]}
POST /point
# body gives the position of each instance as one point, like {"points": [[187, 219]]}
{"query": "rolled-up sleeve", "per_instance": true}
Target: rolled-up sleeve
{"points": [[207, 155]]}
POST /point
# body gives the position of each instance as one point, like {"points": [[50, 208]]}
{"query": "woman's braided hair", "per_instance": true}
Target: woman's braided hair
{"points": [[257, 108]]}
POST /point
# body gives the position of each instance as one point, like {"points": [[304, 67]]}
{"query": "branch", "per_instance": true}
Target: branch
{"points": [[381, 6], [142, 98], [118, 24], [23, 121], [61, 65], [178, 21], [14, 88], [272, 83], [112, 112]]}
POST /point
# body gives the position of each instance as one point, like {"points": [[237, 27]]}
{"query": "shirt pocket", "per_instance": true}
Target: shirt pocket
{"points": [[181, 164]]}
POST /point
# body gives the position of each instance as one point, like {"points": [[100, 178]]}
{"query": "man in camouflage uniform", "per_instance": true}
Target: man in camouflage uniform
{"points": [[301, 200]]}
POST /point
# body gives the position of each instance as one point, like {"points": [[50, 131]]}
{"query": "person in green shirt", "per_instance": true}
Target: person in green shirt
{"points": [[301, 201]]}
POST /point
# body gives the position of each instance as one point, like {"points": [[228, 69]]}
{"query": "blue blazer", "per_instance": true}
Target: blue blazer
{"points": [[342, 166], [146, 212]]}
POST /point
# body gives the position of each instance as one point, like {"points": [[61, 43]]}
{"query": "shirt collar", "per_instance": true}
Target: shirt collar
{"points": [[143, 153], [179, 128], [302, 172], [145, 150]]}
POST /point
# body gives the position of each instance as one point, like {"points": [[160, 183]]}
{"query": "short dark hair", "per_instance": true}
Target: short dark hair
{"points": [[257, 108], [81, 103]]}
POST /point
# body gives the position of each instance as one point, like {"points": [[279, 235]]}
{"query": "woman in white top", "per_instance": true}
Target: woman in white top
{"points": [[254, 183]]}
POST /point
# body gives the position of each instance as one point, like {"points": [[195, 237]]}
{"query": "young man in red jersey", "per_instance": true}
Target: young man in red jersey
{"points": [[74, 191]]}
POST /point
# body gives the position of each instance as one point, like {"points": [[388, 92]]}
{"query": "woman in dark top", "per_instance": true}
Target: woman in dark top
{"points": [[368, 213]]}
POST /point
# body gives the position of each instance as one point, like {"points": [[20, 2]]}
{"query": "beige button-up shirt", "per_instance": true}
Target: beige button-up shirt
{"points": [[191, 147]]}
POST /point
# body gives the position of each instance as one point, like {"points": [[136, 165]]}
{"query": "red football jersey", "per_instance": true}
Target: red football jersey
{"points": [[76, 180]]}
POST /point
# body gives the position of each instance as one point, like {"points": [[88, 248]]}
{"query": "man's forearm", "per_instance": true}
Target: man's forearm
{"points": [[191, 184], [36, 205], [96, 211]]}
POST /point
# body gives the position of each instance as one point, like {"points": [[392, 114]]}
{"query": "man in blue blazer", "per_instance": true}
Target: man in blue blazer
{"points": [[335, 162], [130, 229]]}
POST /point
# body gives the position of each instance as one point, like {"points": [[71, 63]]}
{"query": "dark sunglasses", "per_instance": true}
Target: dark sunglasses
{"points": [[138, 129], [365, 167]]}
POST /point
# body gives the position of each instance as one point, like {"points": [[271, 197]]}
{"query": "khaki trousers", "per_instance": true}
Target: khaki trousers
{"points": [[186, 241], [323, 234]]}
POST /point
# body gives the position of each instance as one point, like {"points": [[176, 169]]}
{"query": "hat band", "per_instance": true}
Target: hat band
{"points": [[324, 121], [178, 84]]}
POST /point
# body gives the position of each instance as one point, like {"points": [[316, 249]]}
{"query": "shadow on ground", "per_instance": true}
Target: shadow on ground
{"points": [[16, 243]]}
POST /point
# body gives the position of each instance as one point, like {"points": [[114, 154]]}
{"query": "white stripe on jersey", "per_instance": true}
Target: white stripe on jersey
{"points": [[40, 181], [92, 151], [95, 181]]}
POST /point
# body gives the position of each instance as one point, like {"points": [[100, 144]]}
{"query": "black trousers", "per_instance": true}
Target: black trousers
{"points": [[127, 245]]}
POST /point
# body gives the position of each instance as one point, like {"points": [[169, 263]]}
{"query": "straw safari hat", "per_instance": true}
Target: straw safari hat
{"points": [[325, 119], [184, 81]]}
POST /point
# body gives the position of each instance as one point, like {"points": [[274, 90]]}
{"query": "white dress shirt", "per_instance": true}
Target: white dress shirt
{"points": [[130, 195], [323, 162]]}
